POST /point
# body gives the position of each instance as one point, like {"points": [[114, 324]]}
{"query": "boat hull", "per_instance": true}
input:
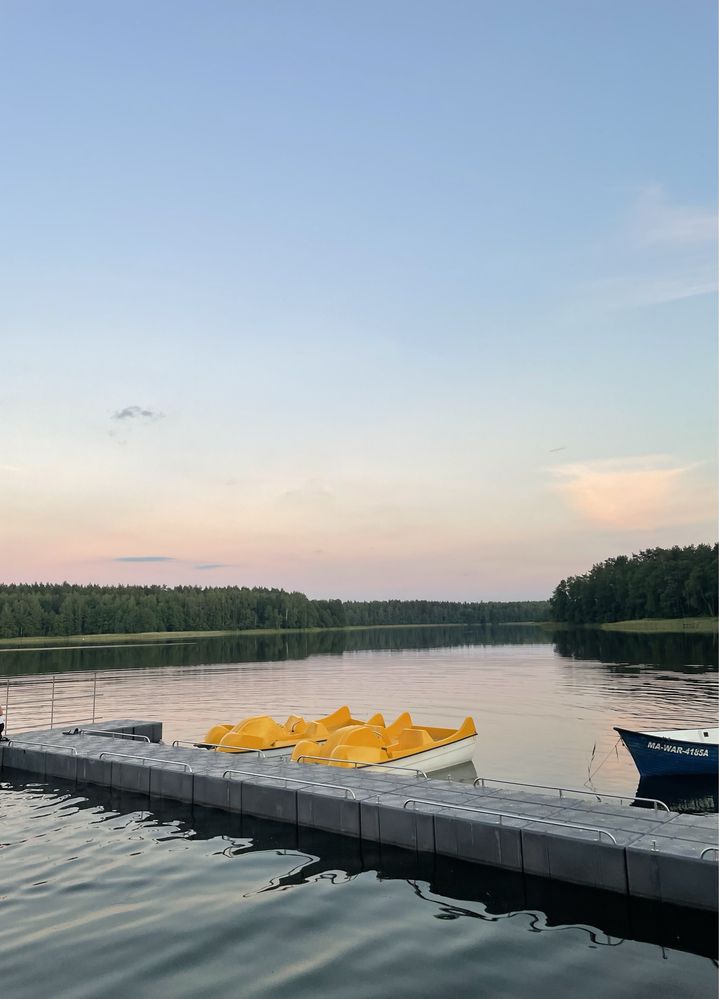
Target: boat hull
{"points": [[659, 756], [440, 758]]}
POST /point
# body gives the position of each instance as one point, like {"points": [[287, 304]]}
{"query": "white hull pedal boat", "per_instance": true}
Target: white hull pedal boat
{"points": [[401, 745]]}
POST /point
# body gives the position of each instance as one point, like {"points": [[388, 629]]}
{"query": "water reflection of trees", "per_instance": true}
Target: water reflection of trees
{"points": [[263, 648], [670, 651], [443, 883]]}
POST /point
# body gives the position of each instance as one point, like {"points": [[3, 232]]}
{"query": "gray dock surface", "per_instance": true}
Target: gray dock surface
{"points": [[652, 854]]}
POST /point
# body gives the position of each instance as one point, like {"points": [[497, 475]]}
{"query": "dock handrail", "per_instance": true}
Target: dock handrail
{"points": [[217, 745], [509, 815], [149, 759], [50, 699], [708, 849], [361, 765], [291, 780], [570, 790], [110, 734], [44, 745]]}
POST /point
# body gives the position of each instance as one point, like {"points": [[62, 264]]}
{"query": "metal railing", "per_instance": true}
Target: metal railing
{"points": [[291, 780], [570, 790], [508, 815], [29, 744], [148, 759], [361, 765], [708, 849], [110, 735], [216, 745], [47, 700]]}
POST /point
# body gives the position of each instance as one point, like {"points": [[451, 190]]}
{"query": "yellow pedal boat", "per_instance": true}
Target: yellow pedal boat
{"points": [[268, 736], [401, 744]]}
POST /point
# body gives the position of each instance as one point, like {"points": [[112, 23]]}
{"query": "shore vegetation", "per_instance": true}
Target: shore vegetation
{"points": [[666, 584], [46, 610]]}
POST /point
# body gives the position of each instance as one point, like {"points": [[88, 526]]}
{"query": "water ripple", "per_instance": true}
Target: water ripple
{"points": [[123, 900]]}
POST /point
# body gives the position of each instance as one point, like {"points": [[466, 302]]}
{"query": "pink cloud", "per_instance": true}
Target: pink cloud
{"points": [[641, 493]]}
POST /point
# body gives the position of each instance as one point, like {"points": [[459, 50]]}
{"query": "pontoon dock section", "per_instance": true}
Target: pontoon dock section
{"points": [[647, 852]]}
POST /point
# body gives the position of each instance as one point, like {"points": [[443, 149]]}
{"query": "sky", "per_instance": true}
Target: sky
{"points": [[363, 299]]}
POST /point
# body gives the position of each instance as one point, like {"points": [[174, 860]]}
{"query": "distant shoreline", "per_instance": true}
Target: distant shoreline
{"points": [[647, 626], [8, 644], [687, 625]]}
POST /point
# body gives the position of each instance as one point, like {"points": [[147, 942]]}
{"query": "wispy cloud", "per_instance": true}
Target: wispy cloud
{"points": [[212, 565], [144, 558], [658, 222], [631, 292], [638, 493], [664, 252], [138, 414], [130, 417], [310, 492]]}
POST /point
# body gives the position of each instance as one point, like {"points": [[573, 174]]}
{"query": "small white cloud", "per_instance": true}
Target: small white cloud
{"points": [[639, 493]]}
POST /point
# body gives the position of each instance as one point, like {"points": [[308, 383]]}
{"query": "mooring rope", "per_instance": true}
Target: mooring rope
{"points": [[592, 774]]}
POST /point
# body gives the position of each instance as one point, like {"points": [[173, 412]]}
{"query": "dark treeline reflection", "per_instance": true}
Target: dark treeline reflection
{"points": [[261, 648], [682, 794], [640, 649], [452, 889]]}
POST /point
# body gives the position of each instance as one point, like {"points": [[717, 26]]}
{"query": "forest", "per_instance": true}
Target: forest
{"points": [[656, 583], [47, 609]]}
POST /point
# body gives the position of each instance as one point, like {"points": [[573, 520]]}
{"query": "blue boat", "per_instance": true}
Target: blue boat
{"points": [[676, 752]]}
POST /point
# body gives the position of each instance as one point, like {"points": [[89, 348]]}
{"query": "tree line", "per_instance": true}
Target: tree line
{"points": [[48, 609], [656, 583]]}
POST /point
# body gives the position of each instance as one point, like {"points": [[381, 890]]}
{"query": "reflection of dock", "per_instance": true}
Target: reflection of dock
{"points": [[645, 853]]}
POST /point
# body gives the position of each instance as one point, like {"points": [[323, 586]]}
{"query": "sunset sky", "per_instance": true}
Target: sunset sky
{"points": [[363, 299]]}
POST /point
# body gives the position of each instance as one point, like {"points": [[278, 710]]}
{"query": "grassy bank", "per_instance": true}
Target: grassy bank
{"points": [[170, 636], [647, 625]]}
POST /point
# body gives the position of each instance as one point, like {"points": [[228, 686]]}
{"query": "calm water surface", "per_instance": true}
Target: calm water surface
{"points": [[108, 895], [545, 705], [103, 897]]}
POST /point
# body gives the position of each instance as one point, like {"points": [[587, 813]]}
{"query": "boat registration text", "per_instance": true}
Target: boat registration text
{"points": [[683, 750]]}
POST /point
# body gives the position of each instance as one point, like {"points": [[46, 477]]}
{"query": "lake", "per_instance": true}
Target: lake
{"points": [[545, 704], [105, 893]]}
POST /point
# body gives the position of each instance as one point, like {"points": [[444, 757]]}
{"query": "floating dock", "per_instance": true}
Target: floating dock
{"points": [[648, 853]]}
